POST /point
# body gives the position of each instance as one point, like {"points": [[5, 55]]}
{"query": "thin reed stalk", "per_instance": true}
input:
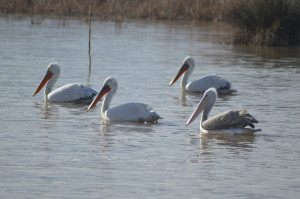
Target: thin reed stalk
{"points": [[90, 32]]}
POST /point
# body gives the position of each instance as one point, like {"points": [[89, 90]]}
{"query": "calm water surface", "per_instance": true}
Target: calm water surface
{"points": [[64, 152]]}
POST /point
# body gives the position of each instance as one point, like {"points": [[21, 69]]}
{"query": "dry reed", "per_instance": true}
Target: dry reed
{"points": [[123, 9], [90, 32], [262, 22], [267, 22]]}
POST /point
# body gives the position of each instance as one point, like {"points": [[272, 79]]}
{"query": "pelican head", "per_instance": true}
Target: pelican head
{"points": [[206, 103], [110, 86], [54, 68], [51, 76], [187, 68]]}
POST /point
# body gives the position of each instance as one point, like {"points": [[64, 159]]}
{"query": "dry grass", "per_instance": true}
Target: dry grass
{"points": [[123, 9], [267, 22], [262, 22], [46, 7]]}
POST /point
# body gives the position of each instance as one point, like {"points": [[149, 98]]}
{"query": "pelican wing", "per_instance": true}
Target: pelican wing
{"points": [[229, 119], [72, 92], [207, 82], [132, 112]]}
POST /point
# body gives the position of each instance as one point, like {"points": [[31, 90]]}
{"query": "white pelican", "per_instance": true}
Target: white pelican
{"points": [[75, 92], [222, 85], [130, 112], [229, 121]]}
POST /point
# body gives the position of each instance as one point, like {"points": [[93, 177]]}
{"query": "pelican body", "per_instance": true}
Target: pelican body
{"points": [[130, 112], [231, 121], [222, 85], [75, 92]]}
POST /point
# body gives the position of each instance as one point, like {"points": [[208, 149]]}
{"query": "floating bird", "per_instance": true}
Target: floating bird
{"points": [[75, 92], [232, 121], [222, 85], [130, 112]]}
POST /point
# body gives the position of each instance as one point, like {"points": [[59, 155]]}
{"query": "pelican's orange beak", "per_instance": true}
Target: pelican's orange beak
{"points": [[44, 81], [184, 68], [105, 89]]}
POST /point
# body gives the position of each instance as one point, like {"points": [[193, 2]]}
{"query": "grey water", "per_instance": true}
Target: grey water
{"points": [[62, 151]]}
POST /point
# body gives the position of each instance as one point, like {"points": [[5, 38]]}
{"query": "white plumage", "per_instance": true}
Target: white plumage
{"points": [[207, 82], [232, 121], [75, 92], [222, 85], [130, 112]]}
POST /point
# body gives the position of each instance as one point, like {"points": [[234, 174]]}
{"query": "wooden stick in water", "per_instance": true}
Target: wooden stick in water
{"points": [[90, 30]]}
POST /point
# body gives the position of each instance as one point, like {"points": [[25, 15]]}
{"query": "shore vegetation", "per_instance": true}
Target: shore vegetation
{"points": [[122, 9], [267, 22], [260, 22]]}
